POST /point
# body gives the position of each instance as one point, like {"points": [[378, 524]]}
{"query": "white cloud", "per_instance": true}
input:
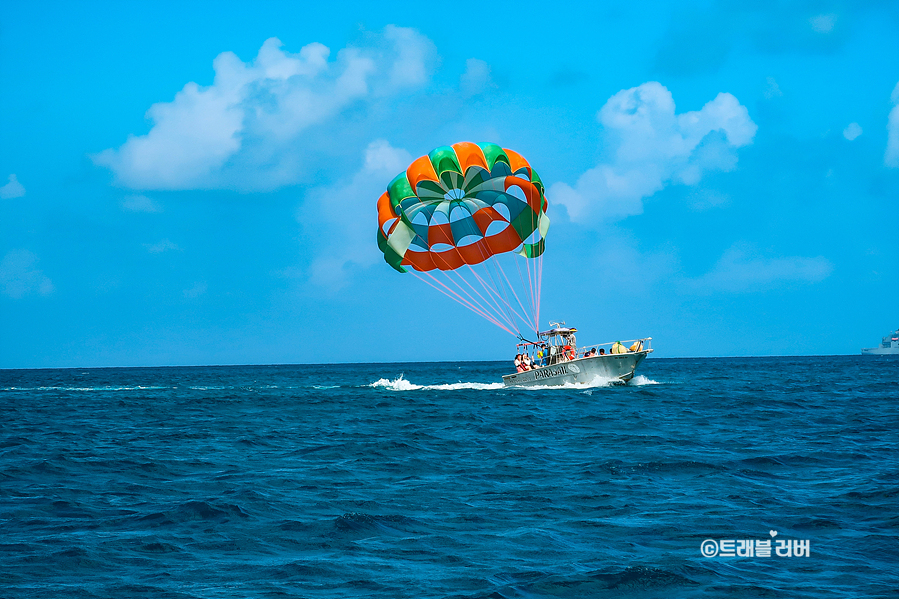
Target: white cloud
{"points": [[254, 128], [650, 146], [19, 277], [343, 215], [823, 23], [11, 190], [741, 269], [476, 79], [852, 131], [773, 90], [140, 203], [891, 157], [163, 245]]}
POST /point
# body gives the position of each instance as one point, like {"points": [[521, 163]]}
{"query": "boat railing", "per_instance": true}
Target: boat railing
{"points": [[644, 344]]}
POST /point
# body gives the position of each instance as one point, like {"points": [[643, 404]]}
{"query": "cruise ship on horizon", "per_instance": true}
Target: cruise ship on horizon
{"points": [[889, 345]]}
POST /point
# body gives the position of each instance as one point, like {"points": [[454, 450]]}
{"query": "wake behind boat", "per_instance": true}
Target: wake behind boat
{"points": [[557, 360]]}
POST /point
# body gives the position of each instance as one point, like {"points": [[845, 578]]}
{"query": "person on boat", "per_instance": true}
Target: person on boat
{"points": [[602, 352], [539, 361], [526, 362], [518, 367], [590, 353]]}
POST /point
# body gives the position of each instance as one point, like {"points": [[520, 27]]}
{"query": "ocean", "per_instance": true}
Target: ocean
{"points": [[432, 480]]}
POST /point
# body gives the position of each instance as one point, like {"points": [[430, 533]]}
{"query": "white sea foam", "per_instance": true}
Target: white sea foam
{"points": [[640, 380], [597, 381], [401, 384]]}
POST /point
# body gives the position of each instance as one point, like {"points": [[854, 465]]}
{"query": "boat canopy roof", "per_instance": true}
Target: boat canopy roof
{"points": [[558, 331]]}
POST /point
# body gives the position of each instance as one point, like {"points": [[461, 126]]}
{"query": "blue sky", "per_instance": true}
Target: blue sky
{"points": [[197, 184]]}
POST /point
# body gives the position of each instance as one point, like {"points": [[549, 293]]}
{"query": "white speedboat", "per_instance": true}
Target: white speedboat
{"points": [[558, 361], [888, 345]]}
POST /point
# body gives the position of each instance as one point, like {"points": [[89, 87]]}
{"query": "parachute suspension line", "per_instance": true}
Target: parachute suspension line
{"points": [[454, 296], [525, 286], [499, 316], [512, 289], [499, 287], [485, 308], [532, 281], [539, 268], [509, 309], [490, 295], [491, 292]]}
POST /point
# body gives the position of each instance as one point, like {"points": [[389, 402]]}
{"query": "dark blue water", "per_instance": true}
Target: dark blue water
{"points": [[309, 481]]}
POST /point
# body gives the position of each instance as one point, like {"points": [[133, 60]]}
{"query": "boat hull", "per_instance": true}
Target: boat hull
{"points": [[880, 351], [617, 367]]}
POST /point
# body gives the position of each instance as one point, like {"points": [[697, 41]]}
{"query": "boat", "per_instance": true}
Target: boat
{"points": [[889, 345], [558, 361]]}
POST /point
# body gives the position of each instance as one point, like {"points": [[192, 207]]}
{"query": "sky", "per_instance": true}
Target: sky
{"points": [[195, 183]]}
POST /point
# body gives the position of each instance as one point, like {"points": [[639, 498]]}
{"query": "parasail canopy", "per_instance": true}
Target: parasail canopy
{"points": [[463, 206]]}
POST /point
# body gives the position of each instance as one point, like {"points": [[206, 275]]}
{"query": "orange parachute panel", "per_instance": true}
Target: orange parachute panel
{"points": [[469, 154], [420, 170], [421, 261], [449, 259], [530, 191], [440, 234], [504, 241], [485, 216], [516, 161], [476, 252], [385, 210]]}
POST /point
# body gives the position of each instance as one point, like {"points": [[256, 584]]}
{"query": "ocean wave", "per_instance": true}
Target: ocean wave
{"points": [[401, 384], [104, 388], [597, 382]]}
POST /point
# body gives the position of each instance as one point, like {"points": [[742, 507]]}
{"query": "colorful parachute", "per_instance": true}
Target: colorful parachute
{"points": [[462, 204], [457, 208]]}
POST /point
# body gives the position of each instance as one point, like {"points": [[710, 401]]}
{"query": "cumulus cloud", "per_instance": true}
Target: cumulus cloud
{"points": [[891, 157], [19, 277], [254, 128], [649, 146], [772, 90], [140, 203], [163, 245], [477, 78], [13, 189], [342, 215], [852, 131], [742, 269], [823, 23]]}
